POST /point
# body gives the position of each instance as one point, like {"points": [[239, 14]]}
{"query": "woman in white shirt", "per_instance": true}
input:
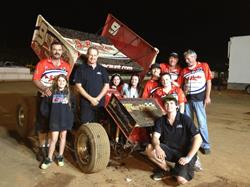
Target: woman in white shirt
{"points": [[132, 89]]}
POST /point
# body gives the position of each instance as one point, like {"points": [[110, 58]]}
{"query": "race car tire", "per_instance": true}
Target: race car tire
{"points": [[22, 119], [92, 147], [248, 89]]}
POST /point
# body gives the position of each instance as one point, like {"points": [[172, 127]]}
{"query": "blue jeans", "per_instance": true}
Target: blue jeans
{"points": [[198, 108]]}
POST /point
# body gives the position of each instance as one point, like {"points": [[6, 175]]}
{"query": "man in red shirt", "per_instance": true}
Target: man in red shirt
{"points": [[196, 82], [167, 88], [171, 66], [152, 84], [45, 72]]}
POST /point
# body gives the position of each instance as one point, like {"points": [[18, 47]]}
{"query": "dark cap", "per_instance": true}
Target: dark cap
{"points": [[169, 97], [155, 65], [174, 54]]}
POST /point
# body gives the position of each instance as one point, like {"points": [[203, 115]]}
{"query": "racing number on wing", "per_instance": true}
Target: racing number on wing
{"points": [[114, 28], [42, 33]]}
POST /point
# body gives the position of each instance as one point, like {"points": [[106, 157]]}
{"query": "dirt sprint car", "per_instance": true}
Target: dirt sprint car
{"points": [[128, 122]]}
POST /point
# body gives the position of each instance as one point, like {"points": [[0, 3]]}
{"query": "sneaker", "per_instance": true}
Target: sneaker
{"points": [[46, 163], [197, 165], [60, 160], [159, 174], [41, 154], [205, 151]]}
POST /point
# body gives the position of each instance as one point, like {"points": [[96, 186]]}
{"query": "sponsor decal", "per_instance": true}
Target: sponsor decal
{"points": [[179, 126]]}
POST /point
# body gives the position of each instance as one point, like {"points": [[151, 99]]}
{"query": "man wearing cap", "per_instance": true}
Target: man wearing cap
{"points": [[152, 84], [175, 139], [172, 66]]}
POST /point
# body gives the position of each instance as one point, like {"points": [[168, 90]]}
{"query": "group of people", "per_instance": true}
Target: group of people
{"points": [[175, 138], [180, 92], [56, 103]]}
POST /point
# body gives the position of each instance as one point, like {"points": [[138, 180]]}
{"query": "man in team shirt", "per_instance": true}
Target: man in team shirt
{"points": [[172, 67], [45, 72], [152, 84], [196, 82], [167, 88]]}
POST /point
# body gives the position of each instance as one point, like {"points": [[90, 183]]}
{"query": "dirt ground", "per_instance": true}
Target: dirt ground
{"points": [[227, 165]]}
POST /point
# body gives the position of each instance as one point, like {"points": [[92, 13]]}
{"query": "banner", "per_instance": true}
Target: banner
{"points": [[129, 43]]}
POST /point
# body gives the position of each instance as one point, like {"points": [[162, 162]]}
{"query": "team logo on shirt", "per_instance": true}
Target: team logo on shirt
{"points": [[49, 75], [99, 73], [179, 126], [59, 98]]}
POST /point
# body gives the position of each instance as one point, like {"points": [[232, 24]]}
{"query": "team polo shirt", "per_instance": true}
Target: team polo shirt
{"points": [[179, 135], [46, 71], [149, 88], [92, 80], [175, 91], [194, 81], [165, 68]]}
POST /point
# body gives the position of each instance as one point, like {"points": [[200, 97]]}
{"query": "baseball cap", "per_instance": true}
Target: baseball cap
{"points": [[174, 54], [169, 97], [155, 65]]}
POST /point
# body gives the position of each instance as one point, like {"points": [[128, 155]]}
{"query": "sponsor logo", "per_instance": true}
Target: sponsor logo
{"points": [[179, 126], [60, 99]]}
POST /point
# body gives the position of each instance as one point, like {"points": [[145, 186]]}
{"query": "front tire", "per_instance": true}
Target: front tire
{"points": [[92, 148]]}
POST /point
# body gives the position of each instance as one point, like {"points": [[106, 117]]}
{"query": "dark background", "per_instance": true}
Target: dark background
{"points": [[204, 26]]}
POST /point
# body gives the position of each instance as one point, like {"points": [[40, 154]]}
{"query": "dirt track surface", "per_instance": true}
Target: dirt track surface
{"points": [[227, 165]]}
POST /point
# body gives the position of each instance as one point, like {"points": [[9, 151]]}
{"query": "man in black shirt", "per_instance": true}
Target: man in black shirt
{"points": [[92, 82], [175, 139]]}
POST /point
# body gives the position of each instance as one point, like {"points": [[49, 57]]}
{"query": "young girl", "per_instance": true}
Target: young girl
{"points": [[115, 87], [116, 82], [132, 90], [58, 109]]}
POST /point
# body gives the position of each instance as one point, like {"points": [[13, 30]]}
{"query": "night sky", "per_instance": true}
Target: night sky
{"points": [[205, 27]]}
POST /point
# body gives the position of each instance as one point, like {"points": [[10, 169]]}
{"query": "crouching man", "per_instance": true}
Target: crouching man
{"points": [[175, 139]]}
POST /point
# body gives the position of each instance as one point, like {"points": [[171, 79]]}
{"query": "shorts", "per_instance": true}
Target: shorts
{"points": [[173, 155]]}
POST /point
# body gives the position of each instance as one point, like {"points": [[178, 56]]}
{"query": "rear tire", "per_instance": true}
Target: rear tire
{"points": [[23, 120], [92, 148], [248, 89]]}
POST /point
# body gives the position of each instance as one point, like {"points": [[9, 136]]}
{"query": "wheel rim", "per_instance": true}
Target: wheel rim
{"points": [[83, 149], [21, 117]]}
